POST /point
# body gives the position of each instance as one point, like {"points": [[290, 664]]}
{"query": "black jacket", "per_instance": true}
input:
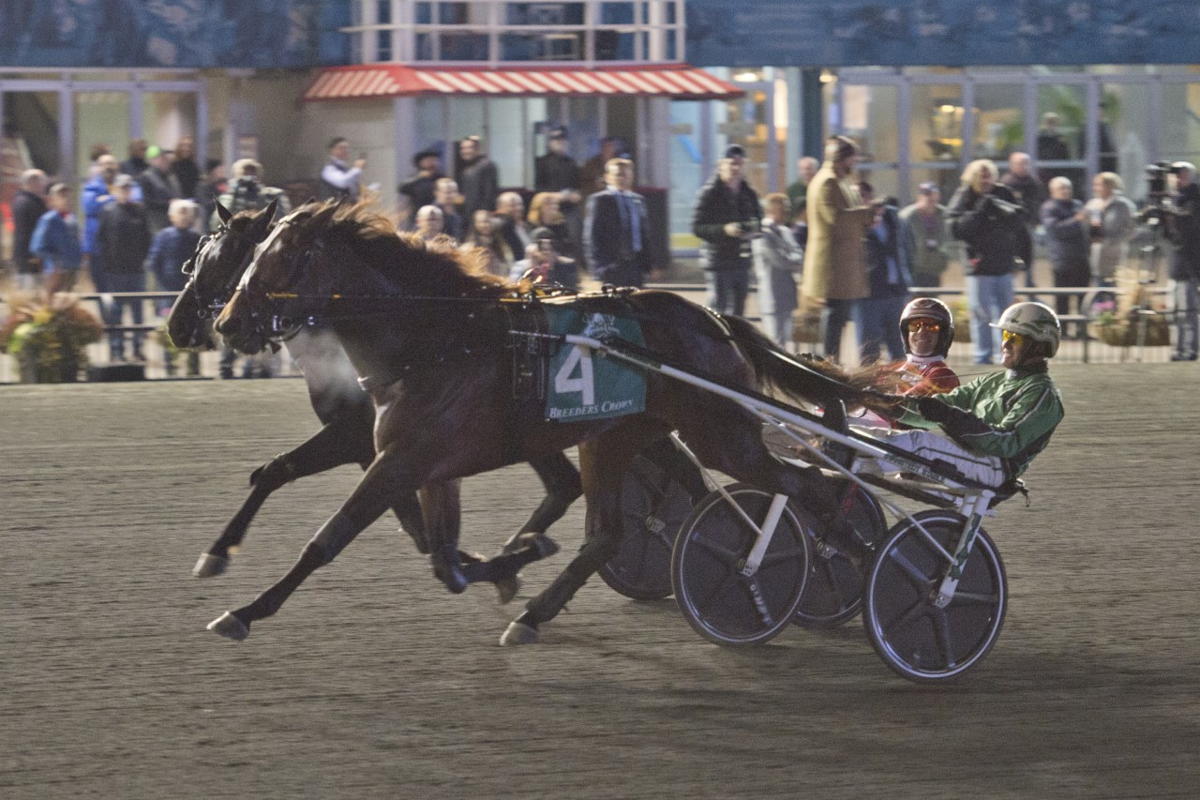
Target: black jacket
{"points": [[882, 249], [158, 190], [1183, 229], [27, 209], [1067, 239], [995, 232], [123, 238], [479, 183], [553, 173], [606, 241], [716, 206], [1030, 193]]}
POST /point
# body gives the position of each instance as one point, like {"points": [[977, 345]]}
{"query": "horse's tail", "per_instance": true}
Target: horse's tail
{"points": [[815, 380]]}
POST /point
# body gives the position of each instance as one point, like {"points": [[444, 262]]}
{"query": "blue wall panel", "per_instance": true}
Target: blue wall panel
{"points": [[172, 33], [834, 33]]}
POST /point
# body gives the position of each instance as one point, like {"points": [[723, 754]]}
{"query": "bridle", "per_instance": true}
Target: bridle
{"points": [[209, 306]]}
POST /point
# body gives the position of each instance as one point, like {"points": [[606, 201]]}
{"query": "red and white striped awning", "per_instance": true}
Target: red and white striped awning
{"points": [[678, 81]]}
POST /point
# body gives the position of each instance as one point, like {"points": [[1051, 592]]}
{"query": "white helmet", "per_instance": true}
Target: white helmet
{"points": [[1035, 320]]}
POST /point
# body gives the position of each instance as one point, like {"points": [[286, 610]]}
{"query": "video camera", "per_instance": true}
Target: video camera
{"points": [[247, 188], [1156, 180]]}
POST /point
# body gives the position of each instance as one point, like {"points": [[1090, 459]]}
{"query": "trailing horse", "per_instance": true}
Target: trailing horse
{"points": [[429, 337], [347, 417]]}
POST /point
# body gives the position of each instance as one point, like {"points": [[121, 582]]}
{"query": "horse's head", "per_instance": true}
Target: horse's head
{"points": [[214, 271], [284, 283]]}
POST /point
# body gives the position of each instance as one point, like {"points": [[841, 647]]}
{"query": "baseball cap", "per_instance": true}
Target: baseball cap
{"points": [[541, 233], [124, 180], [927, 187], [735, 151], [153, 151], [558, 132]]}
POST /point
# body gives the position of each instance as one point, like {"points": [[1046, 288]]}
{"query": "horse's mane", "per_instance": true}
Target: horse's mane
{"points": [[434, 268]]}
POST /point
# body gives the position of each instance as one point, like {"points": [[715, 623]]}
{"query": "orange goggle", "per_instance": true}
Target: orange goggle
{"points": [[931, 325]]}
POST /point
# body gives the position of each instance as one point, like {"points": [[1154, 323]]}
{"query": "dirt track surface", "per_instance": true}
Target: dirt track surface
{"points": [[374, 682]]}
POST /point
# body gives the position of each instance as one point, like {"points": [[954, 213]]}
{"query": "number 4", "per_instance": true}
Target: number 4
{"points": [[585, 383]]}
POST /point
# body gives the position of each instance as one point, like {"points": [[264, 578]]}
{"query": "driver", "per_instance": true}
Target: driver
{"points": [[997, 423], [928, 330]]}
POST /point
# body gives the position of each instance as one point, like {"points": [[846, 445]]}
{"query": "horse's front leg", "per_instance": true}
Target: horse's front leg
{"points": [[387, 478]]}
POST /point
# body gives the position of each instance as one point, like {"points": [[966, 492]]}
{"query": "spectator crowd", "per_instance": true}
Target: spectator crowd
{"points": [[827, 252]]}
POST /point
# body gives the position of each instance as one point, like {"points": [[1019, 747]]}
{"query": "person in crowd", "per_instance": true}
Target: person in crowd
{"points": [[923, 236], [1112, 220], [341, 177], [835, 262], [1030, 193], [994, 426], [498, 256], [94, 153], [987, 217], [889, 279], [543, 264], [510, 222], [184, 167], [727, 216], [419, 190], [797, 191], [159, 187], [429, 222], [123, 241], [1025, 186], [28, 206], [249, 192], [211, 188], [1183, 230], [136, 164], [478, 179], [446, 197], [545, 211], [1068, 240], [56, 241], [97, 193], [1051, 146], [591, 174], [616, 230], [777, 261], [556, 170], [169, 250]]}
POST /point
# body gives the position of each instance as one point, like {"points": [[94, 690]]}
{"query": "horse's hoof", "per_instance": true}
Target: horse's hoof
{"points": [[507, 589], [210, 566], [546, 546], [230, 627], [518, 633]]}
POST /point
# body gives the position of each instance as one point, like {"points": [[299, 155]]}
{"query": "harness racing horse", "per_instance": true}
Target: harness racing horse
{"points": [[427, 335], [347, 417]]}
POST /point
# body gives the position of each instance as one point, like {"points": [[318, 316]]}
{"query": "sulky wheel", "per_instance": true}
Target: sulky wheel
{"points": [[835, 582], [653, 506], [918, 640], [718, 601]]}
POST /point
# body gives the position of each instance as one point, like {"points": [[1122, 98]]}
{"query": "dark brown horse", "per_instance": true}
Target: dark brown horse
{"points": [[427, 334], [345, 411]]}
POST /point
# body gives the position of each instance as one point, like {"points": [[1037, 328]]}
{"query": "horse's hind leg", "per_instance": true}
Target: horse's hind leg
{"points": [[604, 460], [386, 479], [563, 487]]}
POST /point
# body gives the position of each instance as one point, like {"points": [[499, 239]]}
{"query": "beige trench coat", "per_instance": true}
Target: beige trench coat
{"points": [[835, 261]]}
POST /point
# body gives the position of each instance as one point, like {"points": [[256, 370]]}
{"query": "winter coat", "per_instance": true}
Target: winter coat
{"points": [[1117, 226], [924, 241], [123, 238], [27, 209], [56, 242], [170, 249], [1067, 239], [716, 207], [777, 261], [996, 234], [835, 262]]}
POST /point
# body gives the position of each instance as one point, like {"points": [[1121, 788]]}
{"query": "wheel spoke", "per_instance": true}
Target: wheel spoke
{"points": [[941, 629], [915, 611], [724, 554], [975, 599], [920, 581], [667, 542], [780, 556], [834, 584], [702, 605], [764, 613]]}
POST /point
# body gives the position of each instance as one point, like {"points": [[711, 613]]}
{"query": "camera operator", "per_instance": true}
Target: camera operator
{"points": [[1182, 220], [727, 217], [246, 191], [987, 217]]}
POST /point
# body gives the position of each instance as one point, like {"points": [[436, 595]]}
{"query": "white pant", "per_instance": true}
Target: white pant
{"points": [[936, 447]]}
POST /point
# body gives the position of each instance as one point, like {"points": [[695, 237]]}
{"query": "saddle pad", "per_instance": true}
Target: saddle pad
{"points": [[585, 385]]}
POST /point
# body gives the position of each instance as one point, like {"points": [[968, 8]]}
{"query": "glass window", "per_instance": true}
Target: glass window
{"points": [[541, 47], [1179, 133], [423, 14], [687, 169], [31, 136], [166, 116], [100, 118], [999, 120], [869, 114], [544, 14], [935, 130], [1125, 136], [1061, 142], [463, 46]]}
